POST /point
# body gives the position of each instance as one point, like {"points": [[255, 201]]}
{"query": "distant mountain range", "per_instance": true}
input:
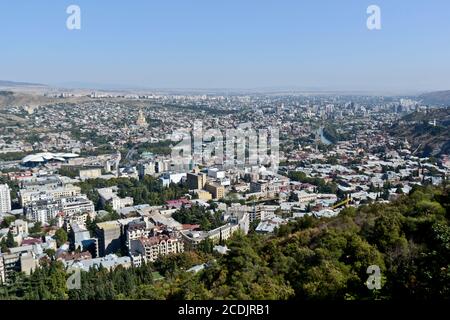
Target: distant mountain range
{"points": [[5, 83], [441, 98]]}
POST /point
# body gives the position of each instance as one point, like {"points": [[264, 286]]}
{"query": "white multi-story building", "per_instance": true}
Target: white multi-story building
{"points": [[19, 227], [136, 230], [304, 197], [27, 196], [2, 270], [109, 195], [46, 210], [77, 218], [5, 198], [148, 168]]}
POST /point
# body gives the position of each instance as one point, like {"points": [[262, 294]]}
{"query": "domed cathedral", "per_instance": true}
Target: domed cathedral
{"points": [[141, 122]]}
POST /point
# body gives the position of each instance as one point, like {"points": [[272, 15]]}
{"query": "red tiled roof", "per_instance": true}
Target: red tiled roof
{"points": [[190, 226], [31, 241]]}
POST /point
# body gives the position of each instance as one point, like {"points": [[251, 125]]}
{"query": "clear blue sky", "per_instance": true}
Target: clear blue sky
{"points": [[229, 44]]}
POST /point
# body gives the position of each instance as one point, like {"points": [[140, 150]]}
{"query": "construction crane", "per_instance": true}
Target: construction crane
{"points": [[344, 202]]}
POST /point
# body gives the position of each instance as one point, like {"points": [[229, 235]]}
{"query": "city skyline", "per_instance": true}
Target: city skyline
{"points": [[231, 153]]}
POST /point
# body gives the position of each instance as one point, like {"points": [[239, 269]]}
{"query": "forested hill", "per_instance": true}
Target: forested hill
{"points": [[441, 98], [309, 259], [428, 133]]}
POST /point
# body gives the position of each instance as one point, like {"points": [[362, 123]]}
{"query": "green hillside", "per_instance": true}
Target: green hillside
{"points": [[309, 259]]}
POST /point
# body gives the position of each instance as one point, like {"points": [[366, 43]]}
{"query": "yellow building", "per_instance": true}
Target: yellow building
{"points": [[217, 190], [203, 195], [141, 121]]}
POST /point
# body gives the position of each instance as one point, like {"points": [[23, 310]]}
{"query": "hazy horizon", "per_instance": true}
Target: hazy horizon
{"points": [[104, 87], [323, 46]]}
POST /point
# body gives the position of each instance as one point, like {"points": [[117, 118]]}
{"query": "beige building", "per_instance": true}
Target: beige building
{"points": [[19, 227], [28, 196], [223, 233], [108, 234], [203, 195], [217, 190], [109, 195], [28, 263], [79, 219], [90, 173], [153, 247]]}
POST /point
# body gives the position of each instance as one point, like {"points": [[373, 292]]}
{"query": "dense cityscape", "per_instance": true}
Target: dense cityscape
{"points": [[95, 184], [224, 159]]}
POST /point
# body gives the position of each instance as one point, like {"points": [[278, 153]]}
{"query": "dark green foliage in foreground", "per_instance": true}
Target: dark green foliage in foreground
{"points": [[309, 259]]}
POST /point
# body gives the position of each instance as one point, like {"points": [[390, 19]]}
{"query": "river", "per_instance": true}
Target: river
{"points": [[323, 139]]}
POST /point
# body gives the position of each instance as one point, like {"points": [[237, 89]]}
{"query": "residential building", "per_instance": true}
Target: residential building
{"points": [[136, 230], [77, 205], [216, 173], [5, 198], [269, 225], [171, 177], [109, 237], [148, 168], [196, 180], [2, 270], [109, 196], [153, 247], [19, 227], [90, 173], [11, 263], [31, 195], [203, 195], [304, 197], [45, 210], [42, 211], [79, 219], [217, 190], [28, 263], [109, 262]]}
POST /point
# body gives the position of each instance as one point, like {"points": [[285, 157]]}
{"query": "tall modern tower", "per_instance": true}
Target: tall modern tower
{"points": [[5, 198]]}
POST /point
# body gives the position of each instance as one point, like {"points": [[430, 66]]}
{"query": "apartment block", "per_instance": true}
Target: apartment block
{"points": [[31, 195], [153, 247], [46, 210], [217, 190], [109, 196], [109, 237], [196, 180], [5, 198], [2, 270]]}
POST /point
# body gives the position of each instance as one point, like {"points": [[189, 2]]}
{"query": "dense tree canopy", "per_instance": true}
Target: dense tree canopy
{"points": [[199, 215], [309, 259], [147, 190], [322, 186]]}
